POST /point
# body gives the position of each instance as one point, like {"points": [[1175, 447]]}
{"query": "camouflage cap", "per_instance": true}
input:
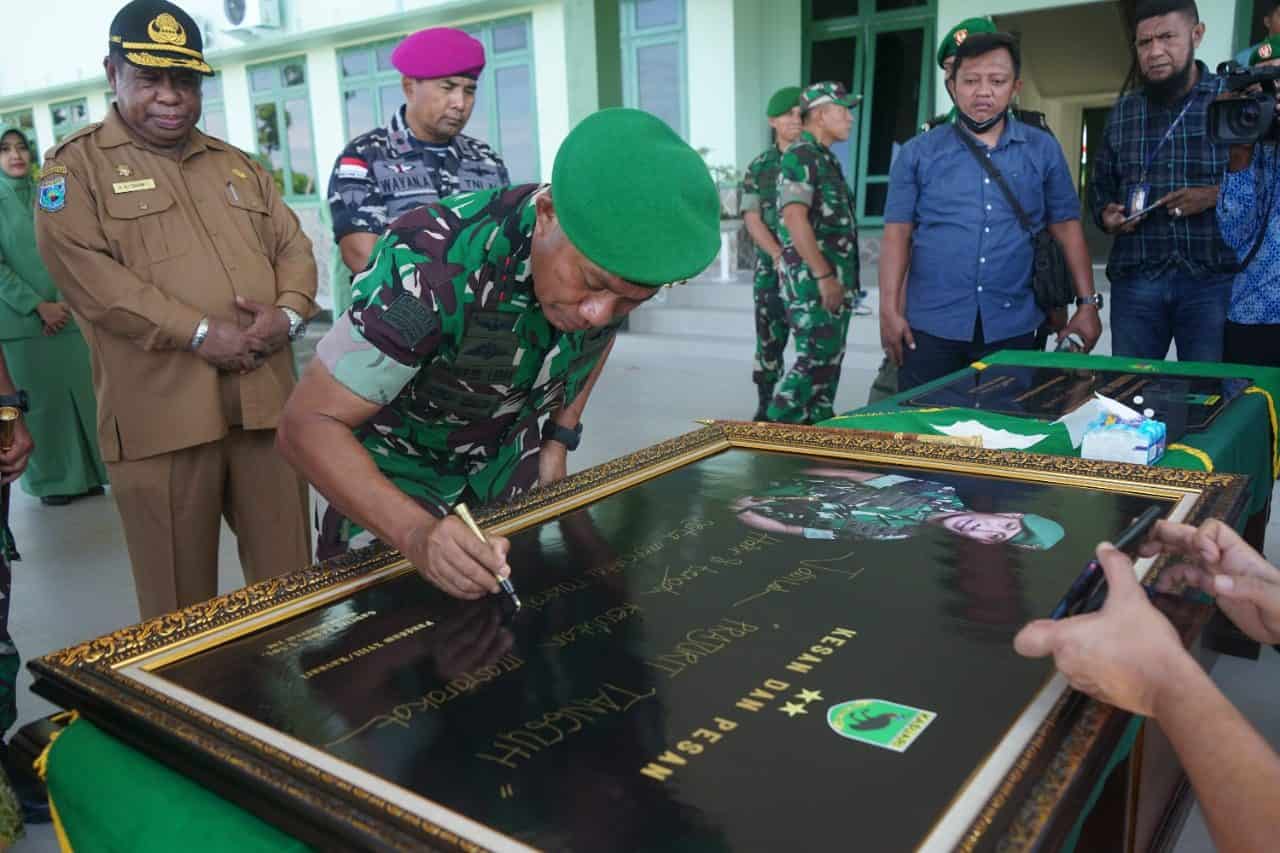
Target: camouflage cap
{"points": [[157, 34], [633, 197], [961, 31], [783, 101], [1038, 533], [1268, 49], [826, 92]]}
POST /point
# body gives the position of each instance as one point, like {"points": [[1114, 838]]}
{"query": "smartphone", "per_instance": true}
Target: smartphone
{"points": [[1141, 213]]}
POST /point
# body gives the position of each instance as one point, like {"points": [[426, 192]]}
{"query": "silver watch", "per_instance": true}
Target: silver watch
{"points": [[202, 332], [297, 325]]}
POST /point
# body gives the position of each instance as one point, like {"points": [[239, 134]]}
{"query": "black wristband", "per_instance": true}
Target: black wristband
{"points": [[825, 275], [570, 438]]}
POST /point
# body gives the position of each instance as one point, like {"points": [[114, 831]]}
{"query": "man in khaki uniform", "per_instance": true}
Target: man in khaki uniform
{"points": [[191, 278]]}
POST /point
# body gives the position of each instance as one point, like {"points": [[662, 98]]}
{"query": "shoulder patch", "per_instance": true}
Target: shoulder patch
{"points": [[411, 318], [53, 193]]}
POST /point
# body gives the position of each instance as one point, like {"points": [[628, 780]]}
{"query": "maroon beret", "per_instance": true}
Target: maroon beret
{"points": [[439, 52]]}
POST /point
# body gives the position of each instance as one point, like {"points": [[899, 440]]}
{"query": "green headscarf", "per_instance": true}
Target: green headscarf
{"points": [[24, 187]]}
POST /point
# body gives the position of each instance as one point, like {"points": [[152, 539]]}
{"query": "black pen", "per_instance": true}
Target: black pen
{"points": [[463, 513], [1080, 588]]}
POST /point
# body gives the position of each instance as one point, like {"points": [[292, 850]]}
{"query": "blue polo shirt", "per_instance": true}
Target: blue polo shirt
{"points": [[969, 255]]}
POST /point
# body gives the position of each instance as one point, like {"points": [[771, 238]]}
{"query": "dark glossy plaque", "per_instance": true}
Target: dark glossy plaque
{"points": [[1184, 403], [754, 650]]}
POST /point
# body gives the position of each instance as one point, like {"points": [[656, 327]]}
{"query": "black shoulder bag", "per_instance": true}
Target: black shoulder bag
{"points": [[1050, 278]]}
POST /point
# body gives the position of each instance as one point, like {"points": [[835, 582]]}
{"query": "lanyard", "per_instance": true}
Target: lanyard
{"points": [[1146, 165]]}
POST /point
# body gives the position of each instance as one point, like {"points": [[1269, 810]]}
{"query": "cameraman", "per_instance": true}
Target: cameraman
{"points": [[1245, 208]]}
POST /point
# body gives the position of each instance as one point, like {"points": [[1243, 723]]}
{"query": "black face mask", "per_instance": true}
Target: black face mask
{"points": [[976, 126]]}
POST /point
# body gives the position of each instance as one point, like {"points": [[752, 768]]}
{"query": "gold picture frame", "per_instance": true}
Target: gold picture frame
{"points": [[1014, 799]]}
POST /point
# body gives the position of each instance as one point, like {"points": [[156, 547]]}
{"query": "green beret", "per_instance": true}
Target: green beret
{"points": [[634, 198], [961, 31], [1038, 533], [783, 101], [1267, 49]]}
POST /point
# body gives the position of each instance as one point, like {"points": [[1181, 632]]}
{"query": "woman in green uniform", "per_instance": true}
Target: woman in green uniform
{"points": [[43, 346]]}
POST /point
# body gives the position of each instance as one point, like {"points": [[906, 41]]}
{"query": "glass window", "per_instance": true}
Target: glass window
{"points": [[514, 90], [658, 81], [213, 114], [359, 111], [824, 9], [657, 13], [895, 96], [263, 79], [282, 118], [504, 115], [653, 64], [68, 117], [895, 5], [371, 91], [507, 37], [24, 120]]}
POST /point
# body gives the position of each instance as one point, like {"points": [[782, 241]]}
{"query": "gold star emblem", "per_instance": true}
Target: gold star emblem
{"points": [[241, 174], [123, 171], [807, 696], [791, 709]]}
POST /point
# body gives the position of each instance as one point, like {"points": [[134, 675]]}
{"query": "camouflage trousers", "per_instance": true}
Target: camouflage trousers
{"points": [[808, 390], [771, 326]]}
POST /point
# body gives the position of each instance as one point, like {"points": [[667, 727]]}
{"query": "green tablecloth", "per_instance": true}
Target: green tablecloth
{"points": [[1242, 440], [113, 799]]}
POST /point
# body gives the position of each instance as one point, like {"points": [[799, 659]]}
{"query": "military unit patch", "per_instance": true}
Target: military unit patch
{"points": [[887, 725], [413, 319], [53, 193]]}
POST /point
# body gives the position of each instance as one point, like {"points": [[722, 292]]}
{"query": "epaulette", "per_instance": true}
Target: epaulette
{"points": [[72, 137]]}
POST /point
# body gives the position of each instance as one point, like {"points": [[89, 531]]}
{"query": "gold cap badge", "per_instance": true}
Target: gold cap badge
{"points": [[960, 36], [165, 29]]}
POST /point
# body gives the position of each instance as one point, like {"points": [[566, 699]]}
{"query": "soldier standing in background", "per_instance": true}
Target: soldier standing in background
{"points": [[422, 155], [760, 212], [819, 268]]}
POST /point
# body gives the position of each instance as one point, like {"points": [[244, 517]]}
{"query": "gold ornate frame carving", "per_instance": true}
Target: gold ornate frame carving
{"points": [[309, 800]]}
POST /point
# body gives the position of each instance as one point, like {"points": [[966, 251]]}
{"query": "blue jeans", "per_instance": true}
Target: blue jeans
{"points": [[1148, 313]]}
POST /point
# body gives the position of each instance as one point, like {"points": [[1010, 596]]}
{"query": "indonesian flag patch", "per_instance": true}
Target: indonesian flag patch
{"points": [[352, 167]]}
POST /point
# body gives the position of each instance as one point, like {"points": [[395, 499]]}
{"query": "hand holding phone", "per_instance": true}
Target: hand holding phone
{"points": [[1132, 217]]}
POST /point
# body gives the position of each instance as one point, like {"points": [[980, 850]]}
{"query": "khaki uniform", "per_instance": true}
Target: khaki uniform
{"points": [[143, 245]]}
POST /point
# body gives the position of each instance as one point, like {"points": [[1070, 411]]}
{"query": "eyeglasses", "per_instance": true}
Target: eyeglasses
{"points": [[1166, 40]]}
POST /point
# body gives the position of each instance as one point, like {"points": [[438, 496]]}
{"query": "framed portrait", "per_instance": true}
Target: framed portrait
{"points": [[750, 637]]}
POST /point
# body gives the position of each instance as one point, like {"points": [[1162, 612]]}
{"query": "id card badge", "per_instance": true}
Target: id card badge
{"points": [[1138, 198]]}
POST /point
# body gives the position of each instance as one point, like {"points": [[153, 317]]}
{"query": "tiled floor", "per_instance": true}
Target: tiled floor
{"points": [[74, 581]]}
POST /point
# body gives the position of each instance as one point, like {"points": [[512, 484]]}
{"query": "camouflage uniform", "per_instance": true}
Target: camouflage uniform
{"points": [[386, 172], [888, 507], [446, 334], [810, 174], [760, 192]]}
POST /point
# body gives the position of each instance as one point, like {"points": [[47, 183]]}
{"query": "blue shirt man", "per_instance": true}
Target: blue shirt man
{"points": [[955, 236], [1170, 270]]}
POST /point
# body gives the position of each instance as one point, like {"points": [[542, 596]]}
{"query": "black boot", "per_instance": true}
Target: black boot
{"points": [[762, 411]]}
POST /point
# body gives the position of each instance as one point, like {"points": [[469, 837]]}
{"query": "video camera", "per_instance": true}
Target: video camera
{"points": [[1251, 117]]}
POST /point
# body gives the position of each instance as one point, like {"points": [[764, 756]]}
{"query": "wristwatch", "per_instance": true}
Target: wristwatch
{"points": [[297, 325], [552, 431], [1096, 299], [17, 400]]}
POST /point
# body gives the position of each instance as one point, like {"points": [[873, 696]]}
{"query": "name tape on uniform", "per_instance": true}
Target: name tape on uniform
{"points": [[133, 186]]}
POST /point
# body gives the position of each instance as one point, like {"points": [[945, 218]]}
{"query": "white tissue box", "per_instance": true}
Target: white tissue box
{"points": [[1142, 441]]}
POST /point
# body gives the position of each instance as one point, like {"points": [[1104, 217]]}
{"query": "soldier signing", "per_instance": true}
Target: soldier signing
{"points": [[478, 316], [421, 155], [819, 267], [760, 213]]}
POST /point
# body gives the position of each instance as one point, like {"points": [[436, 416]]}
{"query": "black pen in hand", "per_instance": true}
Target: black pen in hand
{"points": [[1083, 588]]}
